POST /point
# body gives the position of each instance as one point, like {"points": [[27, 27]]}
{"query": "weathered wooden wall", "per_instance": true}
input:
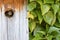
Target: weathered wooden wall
{"points": [[15, 27]]}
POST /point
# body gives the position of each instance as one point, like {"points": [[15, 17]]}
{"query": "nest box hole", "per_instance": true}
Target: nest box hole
{"points": [[9, 13]]}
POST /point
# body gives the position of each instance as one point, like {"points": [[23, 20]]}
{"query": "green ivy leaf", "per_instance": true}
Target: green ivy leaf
{"points": [[40, 17], [31, 6], [47, 28], [48, 17], [55, 8], [42, 32], [45, 8], [39, 1], [58, 16], [39, 29], [49, 37], [32, 0], [58, 37], [57, 24], [34, 13], [37, 37], [53, 29], [30, 36], [49, 1], [30, 15], [54, 20], [32, 26]]}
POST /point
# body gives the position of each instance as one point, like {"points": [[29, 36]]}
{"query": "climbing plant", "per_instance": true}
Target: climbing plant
{"points": [[44, 19]]}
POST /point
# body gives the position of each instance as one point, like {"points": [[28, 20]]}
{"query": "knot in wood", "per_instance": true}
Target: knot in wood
{"points": [[9, 13]]}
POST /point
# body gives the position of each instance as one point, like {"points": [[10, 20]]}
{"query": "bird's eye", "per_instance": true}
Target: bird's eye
{"points": [[9, 13]]}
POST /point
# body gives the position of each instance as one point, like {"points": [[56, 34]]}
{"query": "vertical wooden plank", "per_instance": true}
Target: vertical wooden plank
{"points": [[13, 26], [13, 22], [24, 34], [26, 23], [3, 25], [0, 19], [0, 23], [17, 25]]}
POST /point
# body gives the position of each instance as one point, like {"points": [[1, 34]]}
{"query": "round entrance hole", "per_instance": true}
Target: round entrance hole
{"points": [[9, 13]]}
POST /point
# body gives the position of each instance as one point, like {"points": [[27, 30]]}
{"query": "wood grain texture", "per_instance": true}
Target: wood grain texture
{"points": [[24, 24], [3, 27]]}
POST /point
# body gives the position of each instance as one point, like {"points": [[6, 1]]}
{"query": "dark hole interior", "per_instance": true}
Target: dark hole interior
{"points": [[9, 13]]}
